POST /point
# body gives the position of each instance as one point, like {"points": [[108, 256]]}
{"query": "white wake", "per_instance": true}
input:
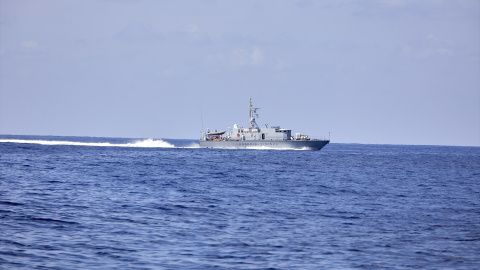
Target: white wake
{"points": [[147, 143]]}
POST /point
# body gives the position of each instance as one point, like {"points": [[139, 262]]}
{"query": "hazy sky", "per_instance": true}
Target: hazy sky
{"points": [[385, 71]]}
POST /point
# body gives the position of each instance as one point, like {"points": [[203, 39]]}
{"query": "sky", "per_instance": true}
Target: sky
{"points": [[374, 72]]}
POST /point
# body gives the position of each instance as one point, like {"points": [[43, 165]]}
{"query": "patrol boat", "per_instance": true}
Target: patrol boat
{"points": [[255, 137]]}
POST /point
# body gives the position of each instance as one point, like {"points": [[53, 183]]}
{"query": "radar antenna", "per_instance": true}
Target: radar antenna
{"points": [[253, 114]]}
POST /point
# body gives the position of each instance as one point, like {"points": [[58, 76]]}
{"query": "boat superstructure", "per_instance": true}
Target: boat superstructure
{"points": [[255, 137]]}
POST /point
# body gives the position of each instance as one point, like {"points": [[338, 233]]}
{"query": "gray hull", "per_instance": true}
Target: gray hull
{"points": [[307, 145]]}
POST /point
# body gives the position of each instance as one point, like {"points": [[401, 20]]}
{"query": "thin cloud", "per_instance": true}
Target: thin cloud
{"points": [[242, 57], [257, 57], [197, 35], [30, 44], [215, 59], [31, 47], [393, 3], [138, 32], [427, 47], [281, 64]]}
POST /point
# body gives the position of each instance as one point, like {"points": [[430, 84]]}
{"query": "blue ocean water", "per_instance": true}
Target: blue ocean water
{"points": [[112, 203]]}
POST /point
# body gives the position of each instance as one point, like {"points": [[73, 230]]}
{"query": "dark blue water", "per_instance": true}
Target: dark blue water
{"points": [[90, 203]]}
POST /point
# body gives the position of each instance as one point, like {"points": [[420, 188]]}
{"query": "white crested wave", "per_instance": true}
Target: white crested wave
{"points": [[147, 143], [151, 143], [193, 145]]}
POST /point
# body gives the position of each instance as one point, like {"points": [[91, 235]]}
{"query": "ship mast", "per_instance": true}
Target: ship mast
{"points": [[253, 114]]}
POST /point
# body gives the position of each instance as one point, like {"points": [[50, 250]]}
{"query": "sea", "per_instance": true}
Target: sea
{"points": [[120, 203]]}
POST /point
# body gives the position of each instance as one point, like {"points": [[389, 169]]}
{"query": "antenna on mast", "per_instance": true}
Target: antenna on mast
{"points": [[253, 114]]}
